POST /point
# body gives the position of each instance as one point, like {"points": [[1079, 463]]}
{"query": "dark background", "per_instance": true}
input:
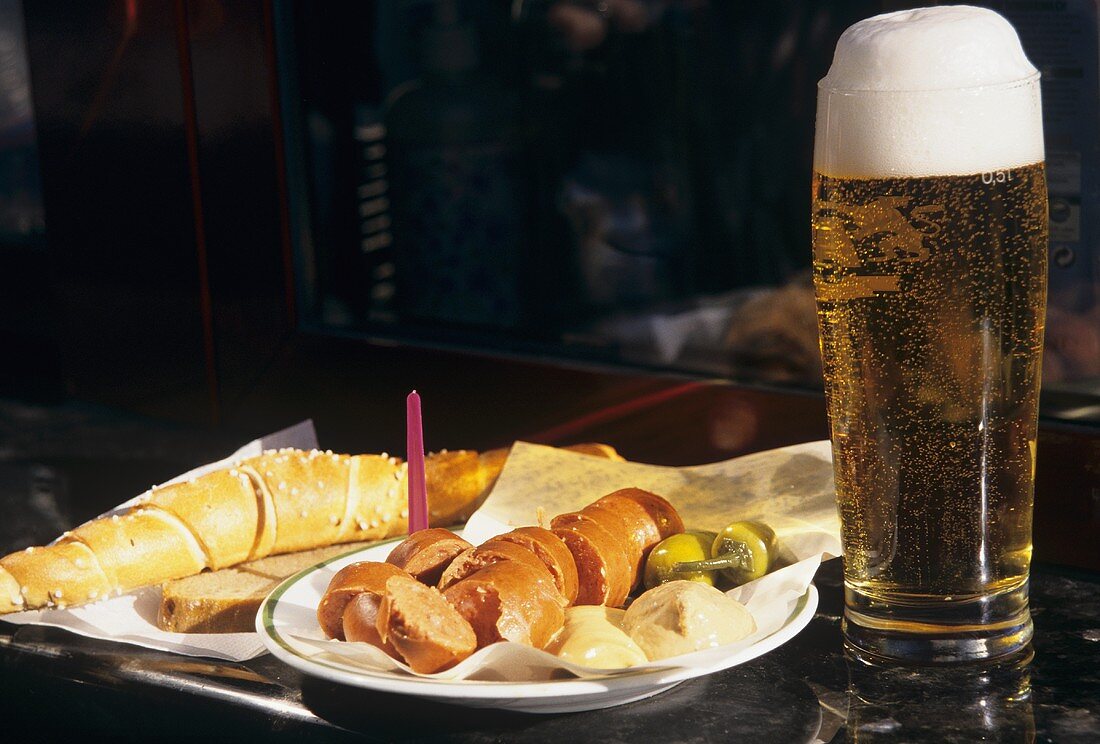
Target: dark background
{"points": [[191, 189], [194, 193]]}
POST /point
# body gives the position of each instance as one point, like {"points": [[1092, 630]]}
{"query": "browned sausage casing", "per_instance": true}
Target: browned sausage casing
{"points": [[424, 628], [350, 581], [604, 562], [641, 518], [663, 514], [549, 549], [492, 551], [509, 601], [360, 619], [427, 553]]}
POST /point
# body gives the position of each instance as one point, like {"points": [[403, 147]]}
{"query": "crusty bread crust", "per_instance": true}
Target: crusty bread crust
{"points": [[222, 511], [144, 547], [183, 614], [377, 504], [309, 491], [57, 576]]}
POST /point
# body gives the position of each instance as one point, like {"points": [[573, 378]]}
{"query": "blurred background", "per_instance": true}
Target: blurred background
{"points": [[201, 200]]}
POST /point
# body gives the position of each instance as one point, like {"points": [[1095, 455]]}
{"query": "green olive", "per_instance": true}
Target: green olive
{"points": [[755, 542], [743, 551], [676, 549]]}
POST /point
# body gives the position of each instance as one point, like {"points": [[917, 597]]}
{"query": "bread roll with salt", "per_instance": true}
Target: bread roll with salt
{"points": [[277, 502]]}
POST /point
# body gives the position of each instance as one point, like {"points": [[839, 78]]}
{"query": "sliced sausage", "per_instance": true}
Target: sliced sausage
{"points": [[350, 581], [424, 628], [425, 554], [549, 549], [640, 518], [663, 514], [360, 621], [604, 562], [509, 601], [493, 551]]}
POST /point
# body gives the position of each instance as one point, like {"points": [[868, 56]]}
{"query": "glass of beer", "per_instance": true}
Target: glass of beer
{"points": [[929, 254]]}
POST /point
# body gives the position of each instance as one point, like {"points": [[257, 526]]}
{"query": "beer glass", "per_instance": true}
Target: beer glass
{"points": [[929, 253]]}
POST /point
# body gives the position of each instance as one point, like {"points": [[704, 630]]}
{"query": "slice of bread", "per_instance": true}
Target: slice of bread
{"points": [[227, 601]]}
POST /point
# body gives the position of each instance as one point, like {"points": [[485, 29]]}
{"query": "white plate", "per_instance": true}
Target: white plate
{"points": [[293, 604]]}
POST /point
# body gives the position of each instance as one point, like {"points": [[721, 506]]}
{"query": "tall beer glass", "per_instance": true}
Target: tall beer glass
{"points": [[930, 244]]}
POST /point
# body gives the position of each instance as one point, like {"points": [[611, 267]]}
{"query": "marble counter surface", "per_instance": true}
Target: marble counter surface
{"points": [[807, 690]]}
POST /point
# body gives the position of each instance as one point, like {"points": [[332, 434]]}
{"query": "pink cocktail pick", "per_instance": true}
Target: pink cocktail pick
{"points": [[414, 441]]}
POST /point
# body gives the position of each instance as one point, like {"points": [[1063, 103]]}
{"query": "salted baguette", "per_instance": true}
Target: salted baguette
{"points": [[66, 572], [278, 502]]}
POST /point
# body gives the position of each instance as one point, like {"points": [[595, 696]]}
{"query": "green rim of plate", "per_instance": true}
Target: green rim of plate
{"points": [[268, 609]]}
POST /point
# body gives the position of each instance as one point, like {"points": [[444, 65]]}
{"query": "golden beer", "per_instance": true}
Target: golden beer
{"points": [[930, 304], [930, 276]]}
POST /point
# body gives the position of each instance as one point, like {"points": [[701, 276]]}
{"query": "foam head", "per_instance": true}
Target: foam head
{"points": [[933, 91]]}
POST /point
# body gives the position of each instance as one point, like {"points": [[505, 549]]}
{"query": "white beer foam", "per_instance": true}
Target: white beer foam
{"points": [[928, 92]]}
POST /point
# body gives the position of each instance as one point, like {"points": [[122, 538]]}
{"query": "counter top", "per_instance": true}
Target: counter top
{"points": [[807, 690]]}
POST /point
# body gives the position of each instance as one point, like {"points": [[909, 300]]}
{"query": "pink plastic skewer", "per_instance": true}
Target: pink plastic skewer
{"points": [[414, 440]]}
